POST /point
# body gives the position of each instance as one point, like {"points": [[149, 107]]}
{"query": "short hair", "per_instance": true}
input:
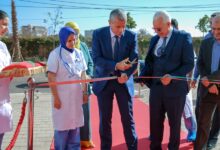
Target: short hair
{"points": [[163, 15], [215, 14], [216, 19], [3, 14], [174, 23], [119, 13]]}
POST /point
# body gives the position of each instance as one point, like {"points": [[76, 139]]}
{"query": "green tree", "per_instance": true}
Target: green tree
{"points": [[130, 22], [54, 20], [143, 42], [203, 24]]}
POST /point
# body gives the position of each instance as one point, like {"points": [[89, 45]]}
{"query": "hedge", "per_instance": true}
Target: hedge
{"points": [[39, 48]]}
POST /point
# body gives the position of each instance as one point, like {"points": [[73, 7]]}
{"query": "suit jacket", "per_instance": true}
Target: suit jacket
{"points": [[103, 56], [179, 60], [204, 63]]}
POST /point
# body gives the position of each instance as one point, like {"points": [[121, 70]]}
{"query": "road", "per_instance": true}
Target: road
{"points": [[19, 85]]}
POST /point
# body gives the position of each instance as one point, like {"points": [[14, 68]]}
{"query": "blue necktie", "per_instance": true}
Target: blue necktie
{"points": [[116, 48], [161, 49]]}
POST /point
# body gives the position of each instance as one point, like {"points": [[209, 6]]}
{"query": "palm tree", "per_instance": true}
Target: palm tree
{"points": [[16, 56]]}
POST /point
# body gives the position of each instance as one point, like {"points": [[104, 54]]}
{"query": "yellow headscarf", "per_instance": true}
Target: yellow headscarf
{"points": [[75, 27]]}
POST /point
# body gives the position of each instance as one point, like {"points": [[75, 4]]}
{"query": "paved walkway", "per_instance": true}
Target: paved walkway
{"points": [[43, 130]]}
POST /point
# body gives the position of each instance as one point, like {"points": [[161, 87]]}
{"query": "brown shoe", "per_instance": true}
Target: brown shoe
{"points": [[87, 144]]}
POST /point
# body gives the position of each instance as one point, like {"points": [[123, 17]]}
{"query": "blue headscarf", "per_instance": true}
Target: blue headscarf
{"points": [[64, 33]]}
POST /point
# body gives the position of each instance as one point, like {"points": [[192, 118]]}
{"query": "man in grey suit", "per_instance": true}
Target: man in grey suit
{"points": [[209, 92]]}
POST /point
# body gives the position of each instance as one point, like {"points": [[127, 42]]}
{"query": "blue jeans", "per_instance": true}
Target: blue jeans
{"points": [[67, 140], [1, 139]]}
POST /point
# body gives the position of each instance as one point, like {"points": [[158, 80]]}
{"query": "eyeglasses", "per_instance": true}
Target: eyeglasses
{"points": [[215, 29], [157, 29]]}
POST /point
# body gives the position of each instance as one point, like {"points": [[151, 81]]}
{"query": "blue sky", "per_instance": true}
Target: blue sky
{"points": [[90, 14]]}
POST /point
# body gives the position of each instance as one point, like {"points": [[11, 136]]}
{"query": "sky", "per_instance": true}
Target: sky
{"points": [[93, 14]]}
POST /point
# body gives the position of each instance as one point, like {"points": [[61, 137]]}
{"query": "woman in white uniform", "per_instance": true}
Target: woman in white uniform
{"points": [[66, 63], [5, 60]]}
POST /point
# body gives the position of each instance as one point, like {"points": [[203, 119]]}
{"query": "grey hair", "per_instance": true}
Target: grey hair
{"points": [[215, 14], [163, 15], [216, 19], [3, 14], [119, 13]]}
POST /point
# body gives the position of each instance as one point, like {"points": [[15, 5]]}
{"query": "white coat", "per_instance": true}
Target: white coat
{"points": [[5, 102], [67, 66], [188, 108]]}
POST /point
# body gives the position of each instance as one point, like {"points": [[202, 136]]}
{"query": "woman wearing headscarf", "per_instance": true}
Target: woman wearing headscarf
{"points": [[66, 63], [85, 131]]}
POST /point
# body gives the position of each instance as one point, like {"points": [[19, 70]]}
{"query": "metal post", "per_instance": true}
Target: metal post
{"points": [[31, 88], [139, 86]]}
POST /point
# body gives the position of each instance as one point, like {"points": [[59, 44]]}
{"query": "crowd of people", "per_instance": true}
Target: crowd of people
{"points": [[170, 55]]}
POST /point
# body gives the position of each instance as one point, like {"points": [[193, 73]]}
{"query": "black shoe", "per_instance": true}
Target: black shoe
{"points": [[211, 145]]}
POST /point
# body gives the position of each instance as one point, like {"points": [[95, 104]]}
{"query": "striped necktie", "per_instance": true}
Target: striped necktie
{"points": [[161, 49]]}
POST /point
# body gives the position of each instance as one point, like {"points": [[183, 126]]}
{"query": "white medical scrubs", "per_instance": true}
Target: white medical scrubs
{"points": [[5, 102], [67, 66]]}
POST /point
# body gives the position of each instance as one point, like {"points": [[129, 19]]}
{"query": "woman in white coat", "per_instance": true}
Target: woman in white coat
{"points": [[66, 63], [5, 102]]}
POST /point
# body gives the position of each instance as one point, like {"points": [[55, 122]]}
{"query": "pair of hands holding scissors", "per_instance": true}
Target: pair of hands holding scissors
{"points": [[122, 66]]}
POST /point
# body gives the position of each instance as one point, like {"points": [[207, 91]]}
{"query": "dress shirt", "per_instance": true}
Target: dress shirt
{"points": [[215, 56], [160, 41]]}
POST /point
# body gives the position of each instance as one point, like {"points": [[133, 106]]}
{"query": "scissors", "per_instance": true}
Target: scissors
{"points": [[132, 62]]}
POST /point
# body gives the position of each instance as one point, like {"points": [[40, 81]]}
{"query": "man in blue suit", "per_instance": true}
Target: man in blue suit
{"points": [[114, 47], [170, 54]]}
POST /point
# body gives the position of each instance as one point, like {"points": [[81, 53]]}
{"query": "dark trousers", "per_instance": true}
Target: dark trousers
{"points": [[1, 139], [125, 104], [160, 104], [85, 131], [215, 125], [207, 108]]}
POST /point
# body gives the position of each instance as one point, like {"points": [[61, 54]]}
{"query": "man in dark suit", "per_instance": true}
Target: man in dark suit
{"points": [[170, 54], [113, 48], [209, 70], [215, 127]]}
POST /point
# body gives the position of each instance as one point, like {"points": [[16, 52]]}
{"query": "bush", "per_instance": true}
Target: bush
{"points": [[34, 48], [39, 48]]}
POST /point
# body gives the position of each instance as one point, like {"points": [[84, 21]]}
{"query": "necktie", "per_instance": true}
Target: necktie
{"points": [[219, 65], [116, 48], [161, 49]]}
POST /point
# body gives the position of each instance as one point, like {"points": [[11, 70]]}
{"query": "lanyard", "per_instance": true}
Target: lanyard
{"points": [[67, 66]]}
